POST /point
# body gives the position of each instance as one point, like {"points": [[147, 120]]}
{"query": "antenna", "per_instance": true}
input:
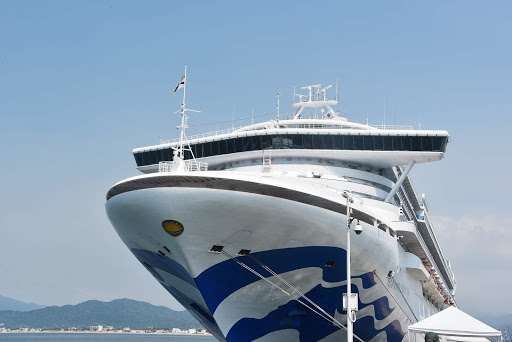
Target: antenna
{"points": [[278, 96], [233, 122], [337, 89]]}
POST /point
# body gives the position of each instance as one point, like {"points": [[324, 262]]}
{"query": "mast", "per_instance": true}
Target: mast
{"points": [[181, 153]]}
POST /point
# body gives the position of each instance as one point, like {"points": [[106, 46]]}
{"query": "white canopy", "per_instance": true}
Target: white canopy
{"points": [[453, 322]]}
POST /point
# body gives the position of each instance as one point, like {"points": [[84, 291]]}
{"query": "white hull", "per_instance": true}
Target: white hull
{"points": [[294, 239]]}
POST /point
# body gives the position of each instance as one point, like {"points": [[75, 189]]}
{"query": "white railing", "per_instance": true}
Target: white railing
{"points": [[396, 127], [190, 165], [203, 135]]}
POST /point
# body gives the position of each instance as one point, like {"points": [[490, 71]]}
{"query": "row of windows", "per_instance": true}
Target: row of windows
{"points": [[300, 141]]}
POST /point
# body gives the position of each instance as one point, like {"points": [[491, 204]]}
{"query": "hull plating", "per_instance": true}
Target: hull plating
{"points": [[304, 244]]}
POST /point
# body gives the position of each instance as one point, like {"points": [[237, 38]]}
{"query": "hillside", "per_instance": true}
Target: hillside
{"points": [[118, 313], [7, 303]]}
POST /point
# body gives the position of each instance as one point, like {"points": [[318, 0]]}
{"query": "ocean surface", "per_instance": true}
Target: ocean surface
{"points": [[95, 337]]}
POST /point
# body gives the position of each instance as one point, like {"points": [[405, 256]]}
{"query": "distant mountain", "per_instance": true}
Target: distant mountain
{"points": [[7, 303], [119, 313]]}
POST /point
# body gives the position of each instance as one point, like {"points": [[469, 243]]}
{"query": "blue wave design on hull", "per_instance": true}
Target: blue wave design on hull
{"points": [[221, 280]]}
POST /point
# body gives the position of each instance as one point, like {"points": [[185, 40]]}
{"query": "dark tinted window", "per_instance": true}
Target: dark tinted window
{"points": [[338, 142], [207, 149], [231, 145], [287, 141], [247, 143], [215, 148], [358, 142], [387, 143], [348, 142], [152, 157], [238, 145], [436, 144], [377, 141], [416, 143], [277, 142], [297, 141], [327, 140], [308, 141], [317, 142], [368, 143], [256, 143], [138, 159], [199, 151], [397, 143], [406, 143], [266, 142]]}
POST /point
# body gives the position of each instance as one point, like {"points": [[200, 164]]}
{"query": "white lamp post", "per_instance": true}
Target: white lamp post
{"points": [[350, 303]]}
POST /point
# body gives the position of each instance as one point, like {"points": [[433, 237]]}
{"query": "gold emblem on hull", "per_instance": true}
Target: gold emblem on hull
{"points": [[173, 227]]}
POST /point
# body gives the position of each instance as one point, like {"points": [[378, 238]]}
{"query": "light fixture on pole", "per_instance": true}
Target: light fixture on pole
{"points": [[350, 300]]}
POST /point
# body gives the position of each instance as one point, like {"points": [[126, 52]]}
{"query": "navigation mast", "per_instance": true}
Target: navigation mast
{"points": [[179, 152]]}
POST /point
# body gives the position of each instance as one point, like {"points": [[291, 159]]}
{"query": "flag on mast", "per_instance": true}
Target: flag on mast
{"points": [[180, 85]]}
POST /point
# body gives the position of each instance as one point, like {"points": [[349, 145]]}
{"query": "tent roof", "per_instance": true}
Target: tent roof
{"points": [[454, 322]]}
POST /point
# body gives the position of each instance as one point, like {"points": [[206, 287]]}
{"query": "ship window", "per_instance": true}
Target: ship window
{"points": [[256, 143], [276, 142], [328, 143], [223, 147], [238, 145], [407, 143], [427, 143], [387, 144], [397, 143], [297, 141], [377, 140], [215, 148], [152, 157], [188, 155], [207, 149], [231, 145], [317, 142], [266, 142], [358, 142], [287, 141], [348, 142], [199, 151], [416, 143], [247, 144], [338, 142], [368, 143], [308, 141], [437, 143], [138, 159]]}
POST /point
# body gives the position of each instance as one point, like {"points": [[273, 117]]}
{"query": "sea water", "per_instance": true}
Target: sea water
{"points": [[95, 337]]}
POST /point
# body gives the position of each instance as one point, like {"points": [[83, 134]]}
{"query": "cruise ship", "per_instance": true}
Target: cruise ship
{"points": [[247, 227]]}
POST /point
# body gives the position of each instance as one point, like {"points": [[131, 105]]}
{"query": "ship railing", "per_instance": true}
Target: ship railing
{"points": [[300, 125], [394, 127], [420, 238], [190, 165], [199, 136]]}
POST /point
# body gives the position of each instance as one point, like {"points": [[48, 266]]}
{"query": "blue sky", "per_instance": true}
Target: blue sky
{"points": [[83, 83]]}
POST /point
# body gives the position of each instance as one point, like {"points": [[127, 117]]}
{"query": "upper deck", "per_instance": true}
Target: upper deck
{"points": [[332, 139]]}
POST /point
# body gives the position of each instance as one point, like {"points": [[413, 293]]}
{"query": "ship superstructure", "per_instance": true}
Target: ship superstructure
{"points": [[246, 227]]}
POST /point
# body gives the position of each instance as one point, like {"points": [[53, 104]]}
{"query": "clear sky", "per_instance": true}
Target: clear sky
{"points": [[83, 83]]}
